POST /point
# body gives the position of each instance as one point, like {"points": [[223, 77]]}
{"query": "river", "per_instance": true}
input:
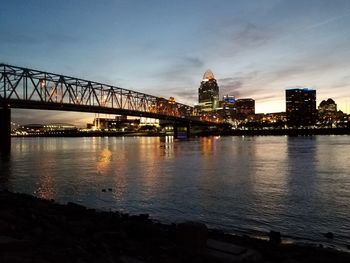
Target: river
{"points": [[299, 186]]}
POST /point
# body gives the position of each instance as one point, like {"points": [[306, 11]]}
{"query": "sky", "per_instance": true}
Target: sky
{"points": [[256, 49]]}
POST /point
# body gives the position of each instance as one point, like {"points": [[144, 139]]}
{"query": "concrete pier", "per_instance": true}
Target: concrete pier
{"points": [[5, 129], [182, 130]]}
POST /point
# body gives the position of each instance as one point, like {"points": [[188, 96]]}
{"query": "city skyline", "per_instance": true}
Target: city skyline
{"points": [[255, 49]]}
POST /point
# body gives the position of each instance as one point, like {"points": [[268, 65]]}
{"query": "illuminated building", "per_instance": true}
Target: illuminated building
{"points": [[149, 121], [104, 123], [327, 107], [208, 93], [118, 123], [227, 107], [327, 112], [59, 127], [301, 107]]}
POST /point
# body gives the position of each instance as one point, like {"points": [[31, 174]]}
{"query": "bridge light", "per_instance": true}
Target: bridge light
{"points": [[42, 83]]}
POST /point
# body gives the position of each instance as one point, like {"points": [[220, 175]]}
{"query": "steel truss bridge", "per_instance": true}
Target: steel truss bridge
{"points": [[33, 89]]}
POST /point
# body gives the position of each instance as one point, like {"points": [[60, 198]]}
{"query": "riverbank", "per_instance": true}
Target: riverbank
{"points": [[214, 132], [36, 230]]}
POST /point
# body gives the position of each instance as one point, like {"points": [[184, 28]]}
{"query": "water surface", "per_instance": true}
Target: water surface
{"points": [[299, 186]]}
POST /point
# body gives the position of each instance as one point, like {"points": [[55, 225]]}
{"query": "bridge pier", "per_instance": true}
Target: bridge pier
{"points": [[188, 130], [176, 131], [5, 129], [179, 130]]}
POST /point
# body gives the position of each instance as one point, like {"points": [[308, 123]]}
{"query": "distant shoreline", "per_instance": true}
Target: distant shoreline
{"points": [[249, 132]]}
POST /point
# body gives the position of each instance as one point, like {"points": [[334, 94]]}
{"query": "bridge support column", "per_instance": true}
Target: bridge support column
{"points": [[5, 129], [188, 130], [176, 131], [182, 130]]}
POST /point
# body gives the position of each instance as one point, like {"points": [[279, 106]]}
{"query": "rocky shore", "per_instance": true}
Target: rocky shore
{"points": [[36, 230]]}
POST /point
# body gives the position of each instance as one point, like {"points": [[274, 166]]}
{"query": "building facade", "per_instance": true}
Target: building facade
{"points": [[327, 107], [208, 93], [301, 107], [327, 112], [244, 108], [227, 107]]}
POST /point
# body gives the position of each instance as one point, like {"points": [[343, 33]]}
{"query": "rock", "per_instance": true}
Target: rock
{"points": [[192, 235], [74, 206], [225, 247], [144, 216], [275, 237], [329, 235], [5, 227], [218, 251], [249, 255], [12, 244]]}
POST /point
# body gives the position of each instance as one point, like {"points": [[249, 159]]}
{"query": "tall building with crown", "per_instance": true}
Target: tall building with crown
{"points": [[208, 93]]}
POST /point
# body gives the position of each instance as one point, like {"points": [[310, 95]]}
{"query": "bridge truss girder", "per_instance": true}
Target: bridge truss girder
{"points": [[28, 88]]}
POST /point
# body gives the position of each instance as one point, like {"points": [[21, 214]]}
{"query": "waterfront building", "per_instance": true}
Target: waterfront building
{"points": [[327, 112], [59, 127], [39, 129], [327, 107], [208, 93], [118, 123], [104, 123], [301, 107], [227, 107], [244, 108], [33, 128], [271, 120]]}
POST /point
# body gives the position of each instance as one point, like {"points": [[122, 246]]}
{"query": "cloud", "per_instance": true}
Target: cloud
{"points": [[35, 38], [186, 96], [230, 86], [8, 37], [231, 36], [264, 98], [238, 86], [180, 67], [325, 22], [250, 35]]}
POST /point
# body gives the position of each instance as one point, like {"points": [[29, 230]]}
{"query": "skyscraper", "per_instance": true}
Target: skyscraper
{"points": [[227, 106], [208, 92], [301, 107]]}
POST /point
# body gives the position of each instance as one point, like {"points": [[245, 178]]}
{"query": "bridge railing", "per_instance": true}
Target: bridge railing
{"points": [[23, 84]]}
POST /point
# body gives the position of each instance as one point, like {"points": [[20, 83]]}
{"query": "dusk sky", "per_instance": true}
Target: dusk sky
{"points": [[255, 49]]}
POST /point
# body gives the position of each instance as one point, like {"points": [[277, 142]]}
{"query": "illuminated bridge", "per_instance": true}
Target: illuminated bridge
{"points": [[33, 89]]}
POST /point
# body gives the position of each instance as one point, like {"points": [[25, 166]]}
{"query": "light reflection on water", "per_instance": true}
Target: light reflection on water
{"points": [[297, 185]]}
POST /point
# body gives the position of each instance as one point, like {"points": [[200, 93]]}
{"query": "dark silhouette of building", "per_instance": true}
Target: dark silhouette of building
{"points": [[327, 112], [244, 108], [327, 107], [301, 107], [208, 93]]}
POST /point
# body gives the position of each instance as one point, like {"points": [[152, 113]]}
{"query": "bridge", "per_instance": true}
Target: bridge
{"points": [[33, 89]]}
